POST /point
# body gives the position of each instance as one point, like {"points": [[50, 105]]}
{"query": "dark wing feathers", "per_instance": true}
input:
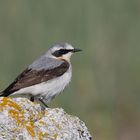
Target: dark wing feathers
{"points": [[31, 77]]}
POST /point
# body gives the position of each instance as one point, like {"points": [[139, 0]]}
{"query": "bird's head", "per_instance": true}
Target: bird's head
{"points": [[62, 51]]}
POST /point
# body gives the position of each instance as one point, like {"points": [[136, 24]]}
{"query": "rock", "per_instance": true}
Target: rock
{"points": [[21, 119]]}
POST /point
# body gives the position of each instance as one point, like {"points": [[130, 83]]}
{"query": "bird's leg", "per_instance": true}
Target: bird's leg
{"points": [[41, 100], [32, 98]]}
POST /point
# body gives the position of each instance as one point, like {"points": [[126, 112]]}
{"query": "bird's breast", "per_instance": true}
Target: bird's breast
{"points": [[56, 85]]}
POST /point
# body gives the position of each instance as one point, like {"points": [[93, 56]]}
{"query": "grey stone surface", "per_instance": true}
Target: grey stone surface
{"points": [[21, 119]]}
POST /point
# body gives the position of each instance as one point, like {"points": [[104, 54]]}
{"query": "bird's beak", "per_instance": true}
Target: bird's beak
{"points": [[76, 50]]}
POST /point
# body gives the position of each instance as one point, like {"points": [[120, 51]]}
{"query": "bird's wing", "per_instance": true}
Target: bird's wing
{"points": [[30, 77]]}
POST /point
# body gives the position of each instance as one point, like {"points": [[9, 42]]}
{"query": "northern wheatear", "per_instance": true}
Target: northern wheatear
{"points": [[46, 77]]}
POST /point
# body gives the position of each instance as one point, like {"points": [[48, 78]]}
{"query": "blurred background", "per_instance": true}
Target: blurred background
{"points": [[105, 89]]}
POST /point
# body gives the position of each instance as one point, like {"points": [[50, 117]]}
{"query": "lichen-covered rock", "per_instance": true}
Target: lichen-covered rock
{"points": [[21, 119]]}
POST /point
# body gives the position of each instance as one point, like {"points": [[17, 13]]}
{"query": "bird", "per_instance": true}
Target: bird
{"points": [[46, 77]]}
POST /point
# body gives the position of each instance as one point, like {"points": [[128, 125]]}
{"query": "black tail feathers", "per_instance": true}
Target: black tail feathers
{"points": [[3, 94]]}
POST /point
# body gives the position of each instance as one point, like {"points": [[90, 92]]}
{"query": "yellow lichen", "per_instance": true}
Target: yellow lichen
{"points": [[10, 103], [39, 115], [46, 112], [42, 134], [55, 136], [42, 122], [16, 115], [30, 127], [58, 126], [3, 104]]}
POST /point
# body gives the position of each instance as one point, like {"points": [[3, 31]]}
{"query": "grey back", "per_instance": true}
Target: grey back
{"points": [[45, 62]]}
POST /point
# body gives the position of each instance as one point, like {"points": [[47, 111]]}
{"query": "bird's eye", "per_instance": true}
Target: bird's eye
{"points": [[60, 52]]}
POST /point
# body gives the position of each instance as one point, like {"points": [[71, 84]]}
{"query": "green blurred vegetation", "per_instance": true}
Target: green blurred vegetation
{"points": [[105, 89]]}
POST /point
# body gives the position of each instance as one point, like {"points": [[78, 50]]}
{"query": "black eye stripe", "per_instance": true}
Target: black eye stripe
{"points": [[61, 52]]}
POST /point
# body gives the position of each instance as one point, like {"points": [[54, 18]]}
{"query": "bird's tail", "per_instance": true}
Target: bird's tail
{"points": [[1, 94], [4, 94]]}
